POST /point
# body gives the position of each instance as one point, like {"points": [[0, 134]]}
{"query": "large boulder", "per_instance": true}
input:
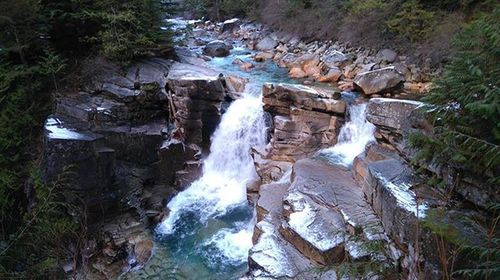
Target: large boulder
{"points": [[331, 76], [336, 59], [267, 44], [387, 55], [217, 49], [230, 25], [305, 120], [390, 113], [280, 98], [378, 81]]}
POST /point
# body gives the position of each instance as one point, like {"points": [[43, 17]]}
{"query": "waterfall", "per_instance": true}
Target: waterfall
{"points": [[353, 137], [221, 190]]}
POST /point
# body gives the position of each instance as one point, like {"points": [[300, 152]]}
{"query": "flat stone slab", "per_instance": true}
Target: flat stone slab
{"points": [[390, 113], [322, 228], [270, 202], [68, 129], [190, 72], [334, 187], [274, 257], [304, 97]]}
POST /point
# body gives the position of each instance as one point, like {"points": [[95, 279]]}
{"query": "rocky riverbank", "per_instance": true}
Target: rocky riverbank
{"points": [[373, 72], [135, 139]]}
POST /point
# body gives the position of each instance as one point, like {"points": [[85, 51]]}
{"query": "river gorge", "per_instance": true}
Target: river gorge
{"points": [[251, 154]]}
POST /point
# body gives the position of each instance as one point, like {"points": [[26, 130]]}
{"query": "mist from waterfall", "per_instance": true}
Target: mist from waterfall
{"points": [[221, 190], [353, 137]]}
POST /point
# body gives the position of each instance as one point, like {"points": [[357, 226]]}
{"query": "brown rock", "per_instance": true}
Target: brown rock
{"points": [[246, 66], [236, 84], [297, 73], [332, 76], [346, 86], [263, 56], [143, 251]]}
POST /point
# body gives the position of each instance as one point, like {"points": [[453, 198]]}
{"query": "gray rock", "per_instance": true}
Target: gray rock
{"points": [[387, 55], [391, 113], [281, 97], [230, 25], [274, 257], [378, 81], [217, 49], [267, 44], [337, 59]]}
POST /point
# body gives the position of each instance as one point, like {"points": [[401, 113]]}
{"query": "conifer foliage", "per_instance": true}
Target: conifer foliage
{"points": [[465, 108], [41, 42]]}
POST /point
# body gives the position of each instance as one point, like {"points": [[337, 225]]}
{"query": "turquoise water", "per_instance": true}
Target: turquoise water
{"points": [[198, 245]]}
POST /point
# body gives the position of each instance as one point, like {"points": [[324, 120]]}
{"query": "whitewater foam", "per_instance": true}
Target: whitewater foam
{"points": [[353, 137], [226, 172]]}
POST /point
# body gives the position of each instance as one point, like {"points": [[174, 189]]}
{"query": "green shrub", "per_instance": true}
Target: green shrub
{"points": [[412, 22], [361, 7]]}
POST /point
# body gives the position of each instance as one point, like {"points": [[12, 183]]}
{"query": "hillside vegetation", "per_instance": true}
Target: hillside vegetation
{"points": [[422, 29]]}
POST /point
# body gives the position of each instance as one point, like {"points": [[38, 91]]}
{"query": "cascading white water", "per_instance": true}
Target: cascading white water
{"points": [[222, 187], [353, 137]]}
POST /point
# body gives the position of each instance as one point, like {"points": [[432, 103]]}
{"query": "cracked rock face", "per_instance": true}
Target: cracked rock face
{"points": [[197, 95], [305, 120], [318, 217]]}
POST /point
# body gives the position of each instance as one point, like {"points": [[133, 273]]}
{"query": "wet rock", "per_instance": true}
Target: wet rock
{"points": [[266, 44], [217, 49], [235, 86], [246, 66], [263, 56], [172, 156], [192, 171], [273, 256], [143, 251], [238, 61], [197, 94], [382, 80], [269, 170]]}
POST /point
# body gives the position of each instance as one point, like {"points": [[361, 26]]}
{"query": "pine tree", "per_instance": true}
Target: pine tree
{"points": [[465, 104]]}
